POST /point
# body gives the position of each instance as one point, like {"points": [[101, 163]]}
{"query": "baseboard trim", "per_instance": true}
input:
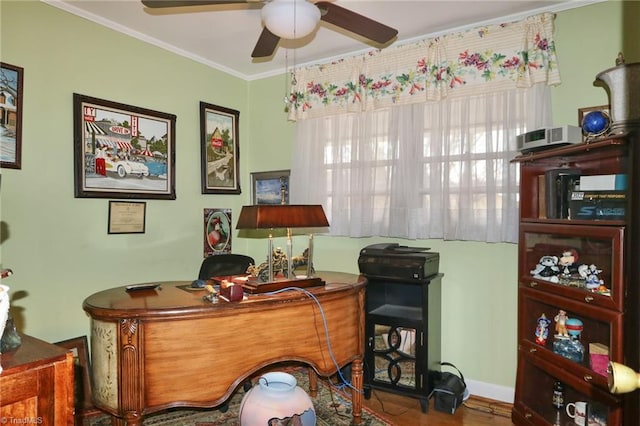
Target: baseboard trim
{"points": [[491, 406]]}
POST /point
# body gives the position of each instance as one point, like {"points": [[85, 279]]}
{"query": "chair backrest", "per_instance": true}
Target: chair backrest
{"points": [[224, 264]]}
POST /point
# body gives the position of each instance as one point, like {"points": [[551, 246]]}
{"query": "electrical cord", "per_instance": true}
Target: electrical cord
{"points": [[345, 383]]}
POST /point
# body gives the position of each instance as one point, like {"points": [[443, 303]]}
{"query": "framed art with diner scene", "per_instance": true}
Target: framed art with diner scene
{"points": [[122, 151]]}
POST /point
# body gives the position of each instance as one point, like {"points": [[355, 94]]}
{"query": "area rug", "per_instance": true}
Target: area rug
{"points": [[333, 408]]}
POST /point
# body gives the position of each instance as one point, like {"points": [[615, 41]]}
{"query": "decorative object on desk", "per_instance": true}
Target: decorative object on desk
{"points": [[333, 408], [569, 348], [11, 86], [285, 217], [270, 187], [220, 149], [107, 162], [622, 379], [277, 399], [217, 231], [4, 309], [622, 84], [542, 329]]}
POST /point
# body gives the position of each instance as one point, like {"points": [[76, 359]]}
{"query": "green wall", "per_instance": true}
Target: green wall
{"points": [[58, 246]]}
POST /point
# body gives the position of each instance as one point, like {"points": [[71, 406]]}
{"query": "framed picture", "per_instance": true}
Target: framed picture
{"points": [[270, 187], [220, 149], [584, 111], [126, 217], [217, 231], [82, 372], [122, 151], [11, 86]]}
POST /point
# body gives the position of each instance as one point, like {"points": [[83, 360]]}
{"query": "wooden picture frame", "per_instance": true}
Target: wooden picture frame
{"points": [[217, 231], [122, 151], [127, 217], [219, 149], [270, 187], [11, 88], [82, 372]]}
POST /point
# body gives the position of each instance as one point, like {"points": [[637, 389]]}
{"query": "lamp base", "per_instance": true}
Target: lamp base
{"points": [[256, 287]]}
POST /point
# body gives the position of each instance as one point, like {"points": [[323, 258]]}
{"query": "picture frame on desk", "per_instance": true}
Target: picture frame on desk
{"points": [[82, 373]]}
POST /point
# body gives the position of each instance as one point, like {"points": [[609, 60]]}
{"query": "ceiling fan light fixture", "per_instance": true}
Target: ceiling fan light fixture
{"points": [[290, 19]]}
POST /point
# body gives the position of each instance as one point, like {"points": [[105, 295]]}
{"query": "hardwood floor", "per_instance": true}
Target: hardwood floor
{"points": [[405, 411]]}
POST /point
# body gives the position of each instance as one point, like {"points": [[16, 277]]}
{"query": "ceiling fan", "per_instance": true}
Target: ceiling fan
{"points": [[293, 19]]}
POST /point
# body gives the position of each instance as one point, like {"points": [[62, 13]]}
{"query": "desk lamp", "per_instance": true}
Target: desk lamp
{"points": [[622, 379], [284, 216]]}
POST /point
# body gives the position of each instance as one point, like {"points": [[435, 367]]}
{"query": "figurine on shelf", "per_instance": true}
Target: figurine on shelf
{"points": [[568, 262], [547, 269], [561, 324], [542, 329], [593, 281]]}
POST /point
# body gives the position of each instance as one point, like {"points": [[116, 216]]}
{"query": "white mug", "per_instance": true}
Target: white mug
{"points": [[578, 412]]}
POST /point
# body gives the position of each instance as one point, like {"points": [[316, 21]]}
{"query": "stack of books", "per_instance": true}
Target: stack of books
{"points": [[599, 197], [567, 194]]}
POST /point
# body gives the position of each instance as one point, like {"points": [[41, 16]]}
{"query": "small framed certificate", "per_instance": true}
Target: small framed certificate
{"points": [[126, 217]]}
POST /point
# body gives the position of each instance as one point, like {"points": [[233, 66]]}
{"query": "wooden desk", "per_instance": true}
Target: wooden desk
{"points": [[36, 386], [162, 348]]}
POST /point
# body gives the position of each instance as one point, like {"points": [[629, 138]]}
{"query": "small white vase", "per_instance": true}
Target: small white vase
{"points": [[276, 397], [4, 309]]}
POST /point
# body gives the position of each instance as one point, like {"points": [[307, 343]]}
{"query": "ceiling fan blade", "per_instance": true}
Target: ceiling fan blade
{"points": [[266, 44], [178, 3], [356, 23]]}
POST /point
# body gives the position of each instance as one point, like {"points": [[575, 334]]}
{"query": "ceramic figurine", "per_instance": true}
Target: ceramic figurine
{"points": [[561, 324], [542, 329], [593, 281]]}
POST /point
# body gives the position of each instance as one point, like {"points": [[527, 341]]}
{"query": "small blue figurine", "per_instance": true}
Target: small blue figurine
{"points": [[542, 329]]}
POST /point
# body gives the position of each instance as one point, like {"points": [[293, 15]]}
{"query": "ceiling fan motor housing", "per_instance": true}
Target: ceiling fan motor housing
{"points": [[290, 19]]}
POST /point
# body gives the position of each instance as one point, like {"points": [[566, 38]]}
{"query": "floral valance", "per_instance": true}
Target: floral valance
{"points": [[479, 60]]}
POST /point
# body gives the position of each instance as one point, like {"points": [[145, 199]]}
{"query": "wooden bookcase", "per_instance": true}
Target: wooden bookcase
{"points": [[608, 315]]}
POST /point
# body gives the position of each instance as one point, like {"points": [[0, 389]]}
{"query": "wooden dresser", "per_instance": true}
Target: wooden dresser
{"points": [[37, 385]]}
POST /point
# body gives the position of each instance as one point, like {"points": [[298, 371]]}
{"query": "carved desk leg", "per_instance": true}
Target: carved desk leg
{"points": [[356, 393]]}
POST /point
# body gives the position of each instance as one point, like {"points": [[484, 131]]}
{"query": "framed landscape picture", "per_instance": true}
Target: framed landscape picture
{"points": [[122, 151], [220, 149], [11, 87], [270, 187]]}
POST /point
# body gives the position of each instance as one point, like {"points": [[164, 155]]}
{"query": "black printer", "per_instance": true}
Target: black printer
{"points": [[395, 262]]}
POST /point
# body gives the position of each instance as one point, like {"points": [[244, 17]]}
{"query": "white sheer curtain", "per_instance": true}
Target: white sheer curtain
{"points": [[426, 170]]}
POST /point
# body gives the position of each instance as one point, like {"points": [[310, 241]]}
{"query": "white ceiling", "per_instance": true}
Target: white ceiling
{"points": [[223, 36]]}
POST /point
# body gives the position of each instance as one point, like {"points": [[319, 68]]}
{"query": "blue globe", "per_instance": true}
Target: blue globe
{"points": [[595, 123]]}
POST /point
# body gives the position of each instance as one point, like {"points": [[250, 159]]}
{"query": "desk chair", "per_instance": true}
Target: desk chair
{"points": [[224, 264]]}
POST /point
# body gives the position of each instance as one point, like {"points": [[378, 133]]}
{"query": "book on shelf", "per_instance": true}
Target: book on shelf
{"points": [[602, 205], [612, 182], [559, 183]]}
